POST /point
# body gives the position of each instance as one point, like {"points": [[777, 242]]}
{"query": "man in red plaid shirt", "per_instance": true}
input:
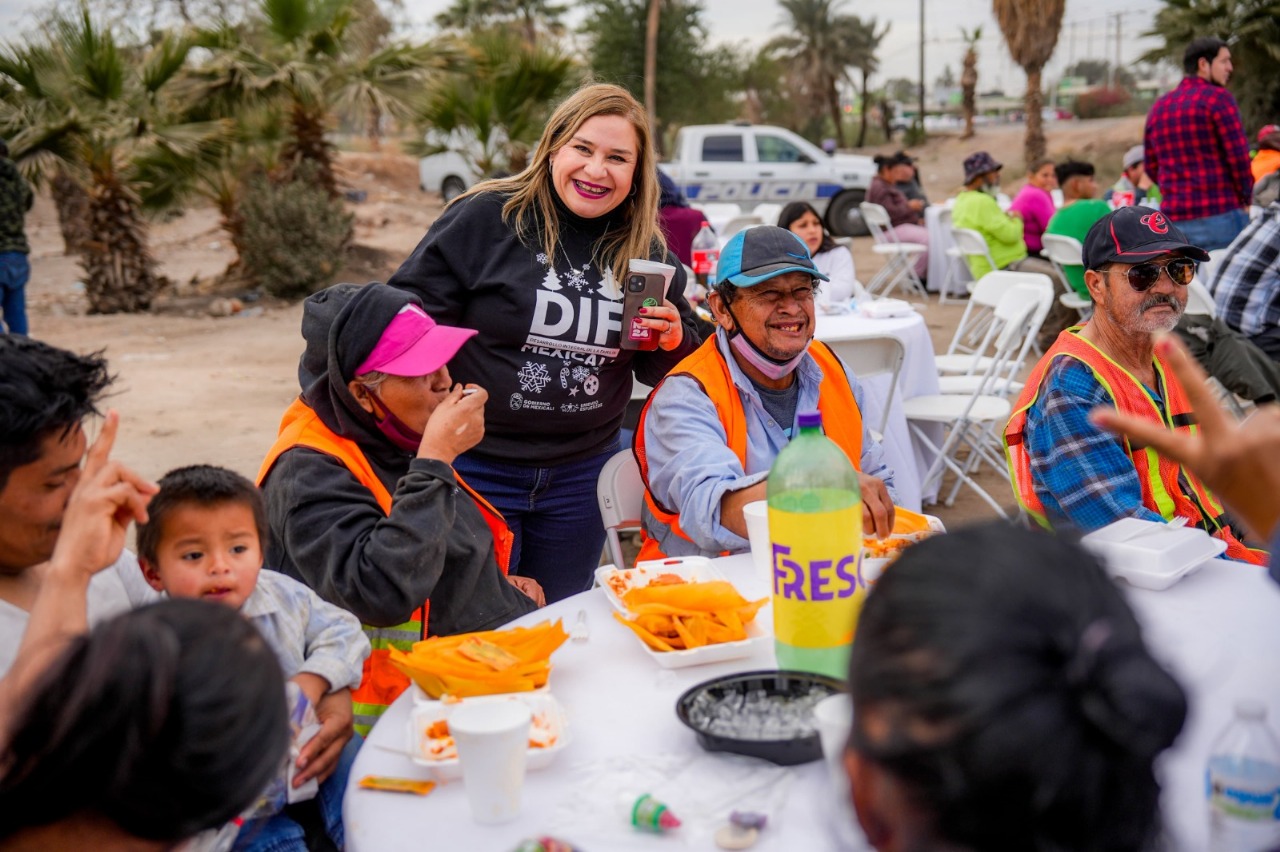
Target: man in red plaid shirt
{"points": [[1196, 150]]}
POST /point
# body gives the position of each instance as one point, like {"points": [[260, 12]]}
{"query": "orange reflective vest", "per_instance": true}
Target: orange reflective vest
{"points": [[1164, 483], [381, 683], [841, 419]]}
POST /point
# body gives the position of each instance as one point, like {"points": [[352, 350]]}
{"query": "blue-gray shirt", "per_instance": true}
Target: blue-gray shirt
{"points": [[691, 467]]}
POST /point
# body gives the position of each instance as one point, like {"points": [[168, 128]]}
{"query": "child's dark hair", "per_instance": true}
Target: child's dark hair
{"points": [[1012, 694], [46, 391], [166, 721], [203, 485], [795, 210]]}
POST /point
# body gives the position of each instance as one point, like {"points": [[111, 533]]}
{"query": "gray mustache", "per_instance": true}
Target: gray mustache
{"points": [[1160, 299]]}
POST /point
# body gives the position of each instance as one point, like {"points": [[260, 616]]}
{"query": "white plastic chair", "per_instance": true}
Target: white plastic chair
{"points": [[1209, 267], [1064, 251], [971, 243], [768, 212], [739, 223], [721, 210], [1005, 382], [873, 356], [971, 419], [620, 493], [900, 257], [974, 334]]}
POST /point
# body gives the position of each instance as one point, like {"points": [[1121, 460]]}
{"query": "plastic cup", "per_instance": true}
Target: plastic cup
{"points": [[493, 740], [666, 270], [757, 515], [834, 717]]}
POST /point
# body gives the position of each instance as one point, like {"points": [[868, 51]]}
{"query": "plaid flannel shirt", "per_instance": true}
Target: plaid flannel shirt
{"points": [[1082, 474], [1197, 152], [1246, 286]]}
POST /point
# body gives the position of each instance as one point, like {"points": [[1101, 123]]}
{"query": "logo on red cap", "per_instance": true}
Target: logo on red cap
{"points": [[1156, 222]]}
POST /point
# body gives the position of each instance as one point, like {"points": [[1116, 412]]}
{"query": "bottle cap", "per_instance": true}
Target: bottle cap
{"points": [[809, 419]]}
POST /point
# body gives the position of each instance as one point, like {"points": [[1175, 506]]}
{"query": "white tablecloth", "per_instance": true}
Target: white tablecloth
{"points": [[1218, 630], [940, 240], [919, 376]]}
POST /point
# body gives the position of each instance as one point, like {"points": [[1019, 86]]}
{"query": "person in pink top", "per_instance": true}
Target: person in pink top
{"points": [[1035, 204]]}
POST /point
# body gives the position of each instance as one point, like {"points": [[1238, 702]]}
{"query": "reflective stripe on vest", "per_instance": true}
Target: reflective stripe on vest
{"points": [[381, 683], [841, 419], [1161, 479]]}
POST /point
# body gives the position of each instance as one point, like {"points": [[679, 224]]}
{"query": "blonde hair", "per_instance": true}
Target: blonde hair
{"points": [[532, 196]]}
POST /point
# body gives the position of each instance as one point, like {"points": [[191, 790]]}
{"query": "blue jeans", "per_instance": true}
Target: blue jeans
{"points": [[1214, 232], [15, 270], [279, 833], [553, 513]]}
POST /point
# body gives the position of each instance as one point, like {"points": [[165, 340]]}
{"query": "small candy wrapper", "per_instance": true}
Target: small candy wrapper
{"points": [[397, 785]]}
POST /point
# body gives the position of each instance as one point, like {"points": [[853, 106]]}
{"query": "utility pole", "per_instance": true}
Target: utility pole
{"points": [[1116, 65], [921, 116], [1111, 70], [1071, 45]]}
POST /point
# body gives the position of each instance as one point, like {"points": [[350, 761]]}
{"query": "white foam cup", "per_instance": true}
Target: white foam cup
{"points": [[834, 718], [666, 270], [757, 515], [493, 740]]}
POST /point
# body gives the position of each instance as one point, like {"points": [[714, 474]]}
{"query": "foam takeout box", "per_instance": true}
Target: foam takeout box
{"points": [[1150, 554]]}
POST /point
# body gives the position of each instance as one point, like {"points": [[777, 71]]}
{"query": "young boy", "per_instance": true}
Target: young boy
{"points": [[204, 539]]}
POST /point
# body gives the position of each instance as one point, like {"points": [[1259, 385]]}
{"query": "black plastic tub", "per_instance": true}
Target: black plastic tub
{"points": [[784, 752]]}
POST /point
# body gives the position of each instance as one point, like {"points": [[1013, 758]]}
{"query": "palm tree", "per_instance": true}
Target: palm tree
{"points": [[102, 115], [969, 78], [865, 60], [305, 55], [1031, 29], [498, 100], [820, 42], [529, 16]]}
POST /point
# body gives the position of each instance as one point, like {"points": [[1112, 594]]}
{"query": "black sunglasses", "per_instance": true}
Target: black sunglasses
{"points": [[1143, 276]]}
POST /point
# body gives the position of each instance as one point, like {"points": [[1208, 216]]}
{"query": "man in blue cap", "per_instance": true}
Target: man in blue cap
{"points": [[714, 425]]}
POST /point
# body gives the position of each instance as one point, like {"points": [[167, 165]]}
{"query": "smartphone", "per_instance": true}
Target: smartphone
{"points": [[642, 290]]}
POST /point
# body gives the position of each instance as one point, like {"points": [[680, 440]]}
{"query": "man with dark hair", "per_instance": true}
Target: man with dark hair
{"points": [[1194, 147], [15, 270], [1080, 209]]}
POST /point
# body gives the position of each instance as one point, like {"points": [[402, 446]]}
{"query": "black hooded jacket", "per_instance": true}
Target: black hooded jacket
{"points": [[328, 530]]}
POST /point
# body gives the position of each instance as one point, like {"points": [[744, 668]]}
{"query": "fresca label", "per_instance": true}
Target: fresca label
{"points": [[817, 584]]}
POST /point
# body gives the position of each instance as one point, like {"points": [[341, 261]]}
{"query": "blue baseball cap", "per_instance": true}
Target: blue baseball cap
{"points": [[763, 252]]}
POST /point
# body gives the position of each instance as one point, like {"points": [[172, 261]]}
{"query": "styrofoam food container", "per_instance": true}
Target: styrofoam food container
{"points": [[542, 704], [691, 569], [1149, 554]]}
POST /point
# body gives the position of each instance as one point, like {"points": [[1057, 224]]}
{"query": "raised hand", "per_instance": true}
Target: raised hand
{"points": [[456, 425]]}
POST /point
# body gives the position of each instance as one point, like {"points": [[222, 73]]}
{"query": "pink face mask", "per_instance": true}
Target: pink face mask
{"points": [[393, 428], [772, 368]]}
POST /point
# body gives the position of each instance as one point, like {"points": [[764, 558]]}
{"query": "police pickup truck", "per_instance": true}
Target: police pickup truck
{"points": [[749, 165]]}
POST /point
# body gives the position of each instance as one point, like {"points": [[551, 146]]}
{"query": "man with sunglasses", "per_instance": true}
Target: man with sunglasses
{"points": [[1065, 471], [712, 428]]}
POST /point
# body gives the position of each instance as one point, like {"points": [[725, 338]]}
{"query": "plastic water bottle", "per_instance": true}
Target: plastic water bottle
{"points": [[815, 531], [706, 254], [1242, 783]]}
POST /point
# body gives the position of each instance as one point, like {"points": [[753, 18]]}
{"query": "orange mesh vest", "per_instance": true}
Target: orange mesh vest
{"points": [[381, 684], [1162, 492], [841, 419]]}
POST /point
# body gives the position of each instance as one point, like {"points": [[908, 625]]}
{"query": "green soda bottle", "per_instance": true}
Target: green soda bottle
{"points": [[815, 530]]}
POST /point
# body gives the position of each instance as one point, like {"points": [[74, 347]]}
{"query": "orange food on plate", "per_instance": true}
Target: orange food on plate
{"points": [[484, 663], [438, 743], [620, 582], [908, 528], [689, 615]]}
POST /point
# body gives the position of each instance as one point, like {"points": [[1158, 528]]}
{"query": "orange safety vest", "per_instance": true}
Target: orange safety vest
{"points": [[1161, 478], [381, 683], [841, 419]]}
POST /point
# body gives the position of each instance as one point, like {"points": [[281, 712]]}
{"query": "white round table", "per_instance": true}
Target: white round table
{"points": [[1218, 630], [909, 459]]}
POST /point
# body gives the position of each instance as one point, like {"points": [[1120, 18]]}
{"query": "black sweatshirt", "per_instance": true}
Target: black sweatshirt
{"points": [[328, 531], [548, 348]]}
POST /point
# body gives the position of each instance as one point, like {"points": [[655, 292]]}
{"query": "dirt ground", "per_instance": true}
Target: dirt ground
{"points": [[198, 388]]}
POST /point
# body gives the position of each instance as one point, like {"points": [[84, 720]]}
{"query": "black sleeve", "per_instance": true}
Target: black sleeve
{"points": [[440, 269], [651, 367]]}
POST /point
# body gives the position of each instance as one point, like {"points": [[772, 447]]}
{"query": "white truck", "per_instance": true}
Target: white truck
{"points": [[751, 164], [452, 171]]}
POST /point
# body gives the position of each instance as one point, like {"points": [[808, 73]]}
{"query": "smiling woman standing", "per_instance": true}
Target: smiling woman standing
{"points": [[535, 263]]}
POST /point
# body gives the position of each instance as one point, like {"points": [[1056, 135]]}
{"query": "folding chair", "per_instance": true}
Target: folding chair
{"points": [[739, 223], [1005, 382], [974, 334], [620, 493], [971, 243], [1066, 251], [1199, 300], [970, 419], [768, 212], [900, 257], [873, 356]]}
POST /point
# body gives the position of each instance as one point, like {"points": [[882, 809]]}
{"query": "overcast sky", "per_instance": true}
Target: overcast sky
{"points": [[1088, 31]]}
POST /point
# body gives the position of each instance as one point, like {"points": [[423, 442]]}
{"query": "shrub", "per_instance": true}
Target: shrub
{"points": [[293, 235], [1102, 102]]}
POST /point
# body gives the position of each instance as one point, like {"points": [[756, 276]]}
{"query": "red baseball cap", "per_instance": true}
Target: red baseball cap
{"points": [[413, 344]]}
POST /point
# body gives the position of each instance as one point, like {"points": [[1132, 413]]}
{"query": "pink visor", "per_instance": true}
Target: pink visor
{"points": [[414, 345]]}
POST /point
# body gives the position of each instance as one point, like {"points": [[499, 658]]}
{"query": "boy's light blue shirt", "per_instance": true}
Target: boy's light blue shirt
{"points": [[691, 467]]}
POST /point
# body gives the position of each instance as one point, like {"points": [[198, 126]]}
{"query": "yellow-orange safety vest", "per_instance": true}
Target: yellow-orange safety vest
{"points": [[381, 683], [841, 419]]}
